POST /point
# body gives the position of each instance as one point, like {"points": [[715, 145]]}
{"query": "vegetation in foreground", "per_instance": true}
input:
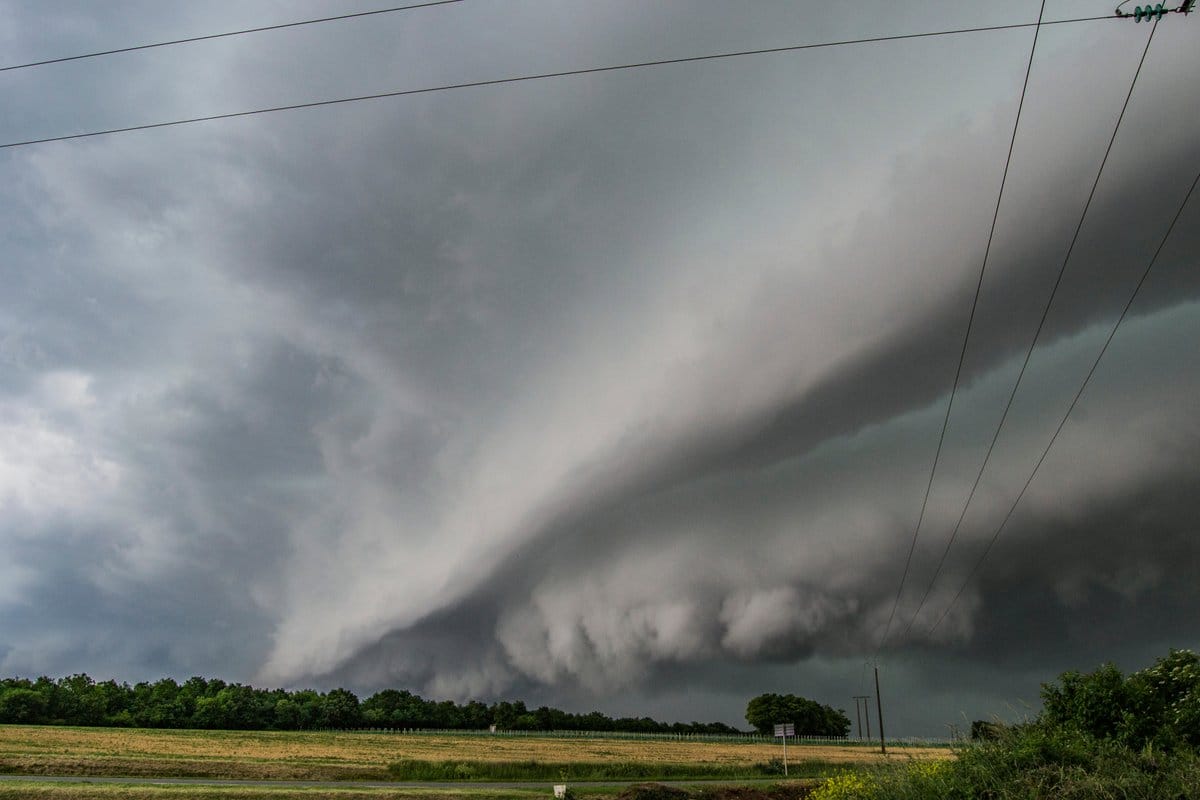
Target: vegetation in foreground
{"points": [[1100, 735], [1034, 762]]}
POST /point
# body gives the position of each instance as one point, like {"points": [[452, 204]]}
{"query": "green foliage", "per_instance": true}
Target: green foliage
{"points": [[772, 766], [1100, 735], [982, 730], [810, 717], [216, 705], [22, 705], [1157, 706], [1030, 762], [339, 709], [846, 785]]}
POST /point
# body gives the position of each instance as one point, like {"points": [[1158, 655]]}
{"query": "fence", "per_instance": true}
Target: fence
{"points": [[745, 738]]}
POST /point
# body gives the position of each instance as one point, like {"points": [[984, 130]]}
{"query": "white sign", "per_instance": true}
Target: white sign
{"points": [[560, 790], [786, 729]]}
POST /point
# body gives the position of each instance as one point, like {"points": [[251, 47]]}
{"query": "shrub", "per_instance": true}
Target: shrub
{"points": [[772, 766], [982, 730], [861, 785], [1157, 706]]}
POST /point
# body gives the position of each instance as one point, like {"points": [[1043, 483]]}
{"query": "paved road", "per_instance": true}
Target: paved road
{"points": [[443, 785]]}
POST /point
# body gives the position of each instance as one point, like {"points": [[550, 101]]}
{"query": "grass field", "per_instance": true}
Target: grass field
{"points": [[21, 790], [260, 755]]}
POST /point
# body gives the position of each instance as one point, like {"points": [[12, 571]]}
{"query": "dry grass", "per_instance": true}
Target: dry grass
{"points": [[354, 756], [78, 791]]}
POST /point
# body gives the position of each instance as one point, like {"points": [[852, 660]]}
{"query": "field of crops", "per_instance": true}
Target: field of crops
{"points": [[41, 750]]}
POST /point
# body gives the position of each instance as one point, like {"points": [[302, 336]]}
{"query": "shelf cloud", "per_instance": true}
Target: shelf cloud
{"points": [[611, 390]]}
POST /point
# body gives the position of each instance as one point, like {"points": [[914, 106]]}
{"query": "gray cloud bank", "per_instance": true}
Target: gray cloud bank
{"points": [[613, 390]]}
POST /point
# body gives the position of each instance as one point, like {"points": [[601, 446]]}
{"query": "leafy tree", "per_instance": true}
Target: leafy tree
{"points": [[392, 708], [309, 703], [82, 702], [215, 704], [505, 714], [340, 709], [525, 722], [1094, 702], [475, 715], [1159, 705], [810, 717], [23, 706]]}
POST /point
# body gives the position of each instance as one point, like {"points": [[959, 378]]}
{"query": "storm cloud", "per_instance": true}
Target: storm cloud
{"points": [[616, 391]]}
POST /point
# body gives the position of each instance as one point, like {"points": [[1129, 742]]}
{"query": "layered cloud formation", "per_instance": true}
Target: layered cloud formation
{"points": [[597, 388]]}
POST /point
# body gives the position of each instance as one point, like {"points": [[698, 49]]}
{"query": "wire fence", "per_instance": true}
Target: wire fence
{"points": [[726, 738]]}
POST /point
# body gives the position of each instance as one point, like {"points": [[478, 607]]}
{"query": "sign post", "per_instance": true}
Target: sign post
{"points": [[783, 731]]}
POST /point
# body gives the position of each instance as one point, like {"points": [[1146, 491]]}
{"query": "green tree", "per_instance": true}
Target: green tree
{"points": [[340, 709], [1094, 702], [1158, 705], [810, 717], [289, 716], [23, 706], [506, 714]]}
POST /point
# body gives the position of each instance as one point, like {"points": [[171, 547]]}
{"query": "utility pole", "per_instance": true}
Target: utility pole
{"points": [[860, 705], [879, 705]]}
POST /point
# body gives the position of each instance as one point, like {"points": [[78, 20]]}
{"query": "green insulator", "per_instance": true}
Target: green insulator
{"points": [[1148, 12]]}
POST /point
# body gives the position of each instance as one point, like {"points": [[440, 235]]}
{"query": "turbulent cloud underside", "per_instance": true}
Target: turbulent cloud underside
{"points": [[593, 386]]}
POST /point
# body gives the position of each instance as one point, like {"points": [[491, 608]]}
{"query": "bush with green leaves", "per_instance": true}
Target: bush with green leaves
{"points": [[1100, 735], [1028, 762], [1158, 706]]}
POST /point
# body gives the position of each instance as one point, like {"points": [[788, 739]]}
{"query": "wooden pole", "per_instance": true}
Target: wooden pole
{"points": [[879, 705], [860, 709]]}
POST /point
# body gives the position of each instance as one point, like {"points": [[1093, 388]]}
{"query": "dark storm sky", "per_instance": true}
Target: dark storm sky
{"points": [[614, 391]]}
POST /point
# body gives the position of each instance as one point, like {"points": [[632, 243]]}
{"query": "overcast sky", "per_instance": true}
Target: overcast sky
{"points": [[615, 391]]}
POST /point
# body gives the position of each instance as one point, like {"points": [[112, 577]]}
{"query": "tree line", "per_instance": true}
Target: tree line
{"points": [[217, 705]]}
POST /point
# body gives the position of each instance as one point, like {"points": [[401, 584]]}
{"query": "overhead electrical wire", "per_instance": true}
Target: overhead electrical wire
{"points": [[1038, 332], [962, 355], [545, 76], [1062, 423], [227, 34]]}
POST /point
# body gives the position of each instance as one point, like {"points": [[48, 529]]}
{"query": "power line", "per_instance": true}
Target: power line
{"points": [[1062, 423], [1037, 333], [966, 338], [543, 76], [227, 34]]}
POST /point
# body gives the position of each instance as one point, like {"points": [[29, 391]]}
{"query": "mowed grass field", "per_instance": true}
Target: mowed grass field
{"points": [[266, 755]]}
